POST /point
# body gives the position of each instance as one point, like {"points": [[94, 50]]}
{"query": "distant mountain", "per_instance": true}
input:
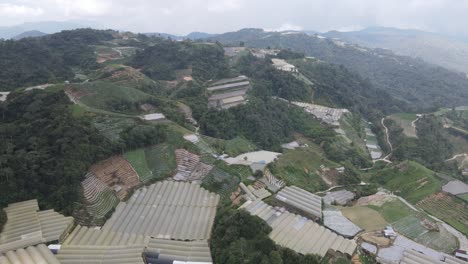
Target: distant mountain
{"points": [[444, 51], [47, 27], [29, 34], [192, 36], [422, 85]]}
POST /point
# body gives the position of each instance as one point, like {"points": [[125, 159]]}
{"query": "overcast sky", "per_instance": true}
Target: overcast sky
{"points": [[216, 16]]}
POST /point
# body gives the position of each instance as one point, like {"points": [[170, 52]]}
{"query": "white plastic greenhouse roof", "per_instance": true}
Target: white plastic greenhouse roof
{"points": [[183, 251], [301, 199], [415, 257], [168, 210], [101, 254], [297, 232], [27, 226], [31, 255]]}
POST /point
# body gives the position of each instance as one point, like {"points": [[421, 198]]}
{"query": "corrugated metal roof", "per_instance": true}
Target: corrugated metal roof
{"points": [[231, 80], [297, 232], [341, 197], [27, 226], [31, 255], [415, 257], [335, 220], [159, 250], [89, 236], [101, 254], [301, 199], [229, 86], [220, 96], [169, 210]]}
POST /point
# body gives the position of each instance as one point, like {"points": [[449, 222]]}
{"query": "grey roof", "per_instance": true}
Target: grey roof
{"points": [[220, 96], [189, 251], [27, 226], [297, 232], [228, 86], [101, 254], [455, 187], [335, 220], [31, 255], [89, 236], [231, 80], [169, 210], [301, 199], [415, 257], [341, 197]]}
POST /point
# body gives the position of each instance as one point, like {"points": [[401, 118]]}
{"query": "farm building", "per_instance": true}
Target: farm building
{"points": [[455, 187], [335, 220], [305, 202], [27, 226], [161, 251], [39, 254], [167, 210], [297, 232], [326, 114], [154, 117], [282, 65], [413, 256], [189, 167], [341, 197], [3, 96], [227, 93], [271, 182]]}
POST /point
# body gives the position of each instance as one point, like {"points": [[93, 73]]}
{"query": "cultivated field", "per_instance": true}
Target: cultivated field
{"points": [[297, 167], [365, 217], [410, 180], [404, 120], [448, 209]]}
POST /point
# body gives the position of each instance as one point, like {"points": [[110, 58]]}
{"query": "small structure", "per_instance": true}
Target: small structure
{"points": [[341, 197], [227, 93], [301, 200], [282, 65], [328, 115], [154, 117], [192, 138], [3, 96], [461, 254], [291, 145], [388, 232], [369, 248], [455, 187]]}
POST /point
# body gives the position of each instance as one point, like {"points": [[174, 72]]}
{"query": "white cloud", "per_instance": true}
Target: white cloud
{"points": [[12, 10], [84, 7], [286, 27], [220, 6]]}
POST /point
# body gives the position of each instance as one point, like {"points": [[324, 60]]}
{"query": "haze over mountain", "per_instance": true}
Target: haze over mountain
{"points": [[47, 27], [448, 52]]}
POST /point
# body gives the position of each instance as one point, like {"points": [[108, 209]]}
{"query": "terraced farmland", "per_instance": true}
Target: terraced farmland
{"points": [[448, 209]]}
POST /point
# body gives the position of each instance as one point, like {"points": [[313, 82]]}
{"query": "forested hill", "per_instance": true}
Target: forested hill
{"points": [[423, 85], [33, 61]]}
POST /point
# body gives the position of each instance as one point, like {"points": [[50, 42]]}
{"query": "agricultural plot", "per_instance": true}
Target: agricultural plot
{"points": [[410, 180], [416, 226], [448, 209], [352, 134], [365, 217], [138, 160], [405, 121], [153, 163], [297, 167], [111, 127]]}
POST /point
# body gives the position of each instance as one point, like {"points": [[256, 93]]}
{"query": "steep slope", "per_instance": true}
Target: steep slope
{"points": [[414, 81], [433, 48]]}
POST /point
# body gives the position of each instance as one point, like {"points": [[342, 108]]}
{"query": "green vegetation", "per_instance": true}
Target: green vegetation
{"points": [[138, 160], [393, 211], [405, 120], [3, 219], [297, 167], [449, 209], [45, 150], [365, 217], [409, 179], [161, 60], [239, 237], [48, 59]]}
